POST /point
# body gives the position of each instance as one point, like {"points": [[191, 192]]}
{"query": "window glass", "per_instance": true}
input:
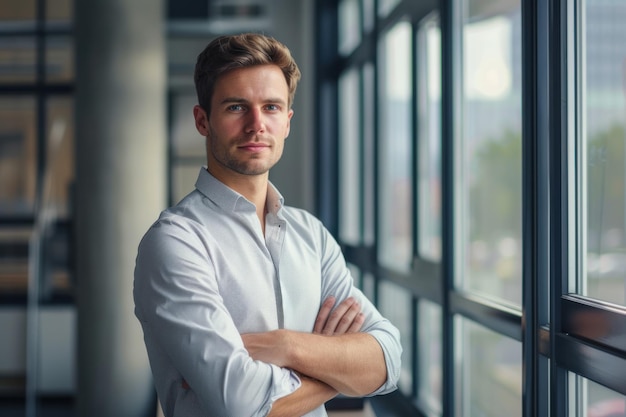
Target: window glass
{"points": [[491, 150], [368, 15], [369, 155], [594, 400], [186, 141], [188, 151], [17, 59], [386, 6], [429, 137], [349, 157], [349, 26], [368, 286], [59, 10], [604, 127], [429, 357], [489, 372], [14, 247], [394, 149], [17, 14], [60, 158], [394, 303], [357, 277], [59, 59], [18, 155], [183, 180]]}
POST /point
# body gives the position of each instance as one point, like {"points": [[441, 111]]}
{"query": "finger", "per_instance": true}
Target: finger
{"points": [[357, 323], [323, 314], [337, 315], [348, 318]]}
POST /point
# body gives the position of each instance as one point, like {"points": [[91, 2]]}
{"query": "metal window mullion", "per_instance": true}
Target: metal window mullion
{"points": [[415, 203], [536, 219], [375, 163], [560, 190], [35, 255], [449, 116]]}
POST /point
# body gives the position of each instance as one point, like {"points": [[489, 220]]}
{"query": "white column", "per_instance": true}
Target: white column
{"points": [[120, 189]]}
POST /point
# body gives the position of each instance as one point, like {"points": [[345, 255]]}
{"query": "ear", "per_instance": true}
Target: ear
{"points": [[288, 128], [202, 120]]}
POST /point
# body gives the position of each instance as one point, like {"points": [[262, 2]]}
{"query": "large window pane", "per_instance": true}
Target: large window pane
{"points": [[394, 148], [17, 59], [395, 304], [188, 147], [59, 59], [604, 112], [349, 26], [186, 141], [369, 156], [491, 205], [429, 137], [349, 158], [386, 6], [59, 11], [594, 400], [489, 372], [429, 357], [60, 159], [18, 155], [17, 14]]}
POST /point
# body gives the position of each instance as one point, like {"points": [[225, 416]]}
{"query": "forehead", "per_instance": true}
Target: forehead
{"points": [[257, 82]]}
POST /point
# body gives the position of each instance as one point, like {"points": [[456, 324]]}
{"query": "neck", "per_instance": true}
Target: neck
{"points": [[252, 187]]}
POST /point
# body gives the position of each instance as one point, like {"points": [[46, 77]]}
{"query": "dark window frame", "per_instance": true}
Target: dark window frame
{"points": [[553, 342]]}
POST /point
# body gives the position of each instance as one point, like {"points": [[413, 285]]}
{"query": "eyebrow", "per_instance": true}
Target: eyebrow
{"points": [[229, 100]]}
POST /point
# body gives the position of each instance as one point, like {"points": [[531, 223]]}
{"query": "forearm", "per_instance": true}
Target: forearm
{"points": [[308, 397], [353, 364]]}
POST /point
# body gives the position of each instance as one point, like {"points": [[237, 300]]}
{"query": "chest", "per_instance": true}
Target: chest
{"points": [[270, 283]]}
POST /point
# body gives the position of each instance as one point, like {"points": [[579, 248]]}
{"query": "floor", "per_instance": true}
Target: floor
{"points": [[365, 412], [64, 409]]}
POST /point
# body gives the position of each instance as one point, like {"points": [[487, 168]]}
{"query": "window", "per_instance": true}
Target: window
{"points": [[484, 205], [603, 115], [490, 148], [36, 144], [394, 148]]}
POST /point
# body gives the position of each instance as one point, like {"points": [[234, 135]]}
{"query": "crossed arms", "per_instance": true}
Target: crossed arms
{"points": [[192, 333], [335, 358]]}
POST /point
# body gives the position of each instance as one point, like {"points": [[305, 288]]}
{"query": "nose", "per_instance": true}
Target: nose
{"points": [[255, 122]]}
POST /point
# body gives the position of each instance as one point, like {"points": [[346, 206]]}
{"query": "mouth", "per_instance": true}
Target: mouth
{"points": [[254, 147]]}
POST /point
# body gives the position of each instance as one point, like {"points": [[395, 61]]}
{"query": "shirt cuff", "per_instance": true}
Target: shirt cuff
{"points": [[284, 382]]}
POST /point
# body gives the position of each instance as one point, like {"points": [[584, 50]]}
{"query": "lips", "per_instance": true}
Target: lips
{"points": [[254, 146]]}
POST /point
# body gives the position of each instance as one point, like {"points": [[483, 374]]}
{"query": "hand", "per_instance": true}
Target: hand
{"points": [[345, 318]]}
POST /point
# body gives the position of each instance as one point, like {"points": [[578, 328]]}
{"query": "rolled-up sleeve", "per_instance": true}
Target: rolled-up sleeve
{"points": [[195, 350], [338, 282]]}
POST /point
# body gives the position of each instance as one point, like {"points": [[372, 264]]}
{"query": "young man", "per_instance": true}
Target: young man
{"points": [[247, 306]]}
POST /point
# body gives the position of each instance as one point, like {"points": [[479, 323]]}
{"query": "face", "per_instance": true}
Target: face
{"points": [[248, 123]]}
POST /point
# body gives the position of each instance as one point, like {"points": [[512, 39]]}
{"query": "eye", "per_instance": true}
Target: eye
{"points": [[272, 107], [235, 107]]}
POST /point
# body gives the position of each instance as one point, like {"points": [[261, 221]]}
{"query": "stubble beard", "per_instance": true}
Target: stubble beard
{"points": [[228, 160]]}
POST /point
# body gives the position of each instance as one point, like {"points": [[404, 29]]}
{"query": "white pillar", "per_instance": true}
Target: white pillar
{"points": [[120, 189]]}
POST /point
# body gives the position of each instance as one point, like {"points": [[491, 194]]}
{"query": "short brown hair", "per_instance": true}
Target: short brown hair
{"points": [[227, 53]]}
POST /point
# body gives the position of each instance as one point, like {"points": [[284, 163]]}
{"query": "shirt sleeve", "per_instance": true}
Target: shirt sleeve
{"points": [[337, 281], [189, 333]]}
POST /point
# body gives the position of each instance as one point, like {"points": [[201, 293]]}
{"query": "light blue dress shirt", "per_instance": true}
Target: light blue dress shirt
{"points": [[205, 274]]}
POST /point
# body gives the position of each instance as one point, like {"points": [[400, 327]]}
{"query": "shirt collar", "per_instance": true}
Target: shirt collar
{"points": [[229, 199]]}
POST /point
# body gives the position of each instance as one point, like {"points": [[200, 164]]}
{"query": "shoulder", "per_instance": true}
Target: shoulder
{"points": [[183, 223]]}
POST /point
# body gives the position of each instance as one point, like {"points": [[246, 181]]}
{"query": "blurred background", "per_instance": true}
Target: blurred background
{"points": [[468, 155]]}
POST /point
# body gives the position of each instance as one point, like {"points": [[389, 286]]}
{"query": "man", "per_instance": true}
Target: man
{"points": [[247, 306]]}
